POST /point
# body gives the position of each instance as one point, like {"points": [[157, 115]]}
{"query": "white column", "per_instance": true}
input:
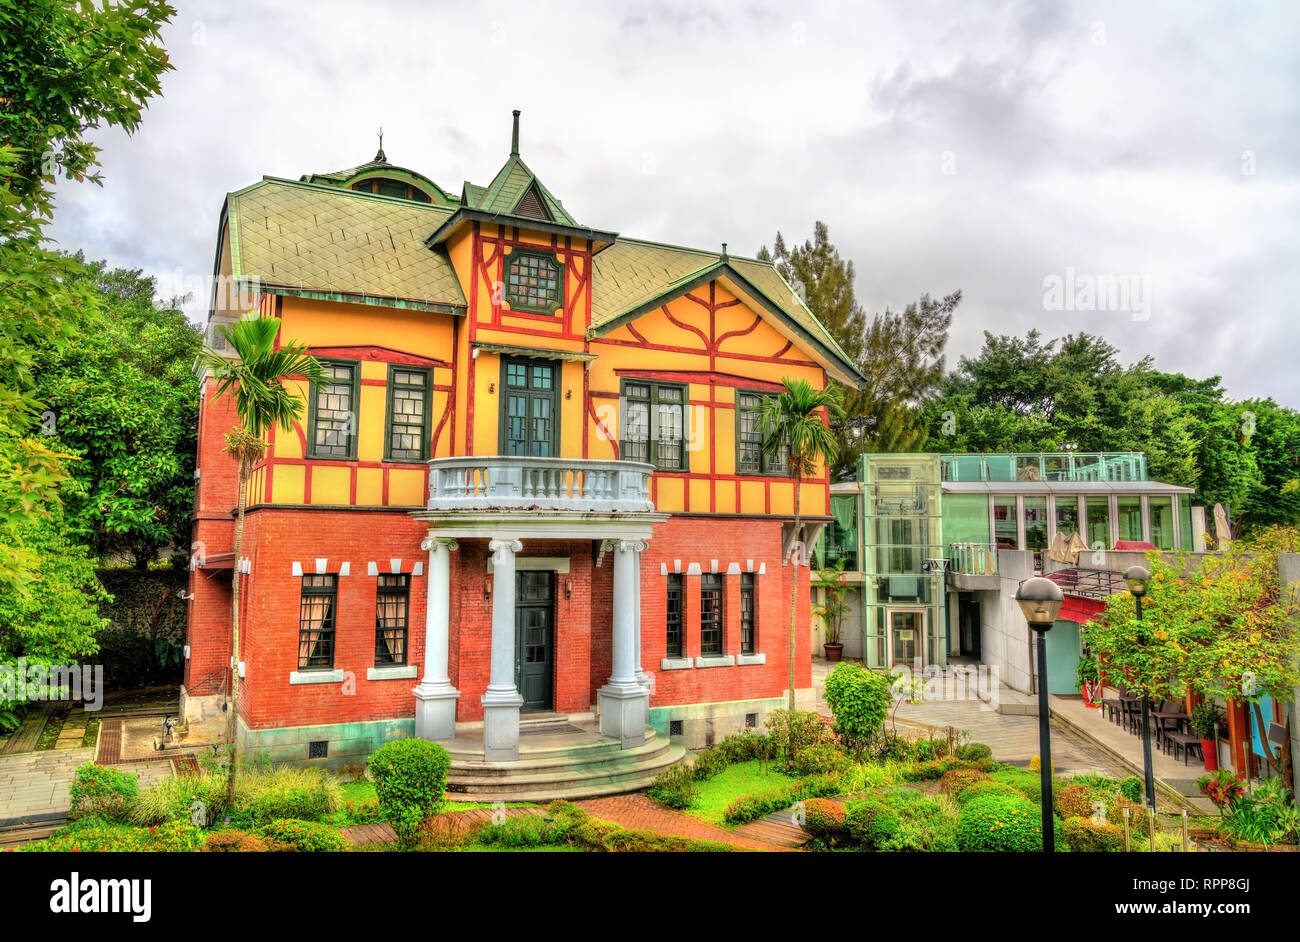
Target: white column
{"points": [[624, 701], [435, 697], [644, 679], [501, 700]]}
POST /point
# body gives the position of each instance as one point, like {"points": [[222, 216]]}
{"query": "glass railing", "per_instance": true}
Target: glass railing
{"points": [[973, 559], [1045, 466]]}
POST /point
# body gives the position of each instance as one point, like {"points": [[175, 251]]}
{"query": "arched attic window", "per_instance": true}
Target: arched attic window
{"points": [[386, 186]]}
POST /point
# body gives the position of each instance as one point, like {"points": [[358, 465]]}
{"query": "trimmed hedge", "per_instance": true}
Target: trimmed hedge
{"points": [[821, 759], [305, 836], [902, 819], [982, 788], [752, 807], [1083, 836], [410, 777], [956, 781], [824, 818], [973, 751], [527, 831], [230, 841], [1002, 823]]}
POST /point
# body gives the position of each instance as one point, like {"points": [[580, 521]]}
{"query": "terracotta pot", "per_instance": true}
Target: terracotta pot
{"points": [[1210, 749], [833, 651]]}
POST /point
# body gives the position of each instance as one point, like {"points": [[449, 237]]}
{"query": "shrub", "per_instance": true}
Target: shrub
{"points": [[1083, 836], [1028, 784], [233, 841], [983, 788], [305, 794], [198, 799], [890, 746], [362, 812], [821, 759], [527, 831], [956, 781], [823, 818], [742, 747], [94, 835], [1131, 788], [752, 807], [859, 699], [933, 748], [1100, 782], [1074, 801], [1036, 765], [973, 751], [903, 819], [101, 792], [410, 777], [305, 836], [934, 769], [674, 787], [1001, 823], [708, 763], [792, 731]]}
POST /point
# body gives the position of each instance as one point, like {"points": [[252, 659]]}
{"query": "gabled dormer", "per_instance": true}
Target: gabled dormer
{"points": [[382, 178]]}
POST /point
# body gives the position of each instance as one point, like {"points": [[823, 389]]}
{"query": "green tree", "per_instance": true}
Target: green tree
{"points": [[64, 69], [1272, 433], [124, 397], [900, 353], [795, 424], [255, 376]]}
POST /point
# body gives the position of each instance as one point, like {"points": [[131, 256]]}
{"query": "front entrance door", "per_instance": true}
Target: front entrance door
{"points": [[906, 636], [535, 637], [530, 417]]}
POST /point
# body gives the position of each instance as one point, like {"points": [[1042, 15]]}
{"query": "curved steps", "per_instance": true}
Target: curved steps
{"points": [[568, 764]]}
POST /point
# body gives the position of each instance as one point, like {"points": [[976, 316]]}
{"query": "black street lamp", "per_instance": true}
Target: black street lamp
{"points": [[1137, 579], [1040, 599]]}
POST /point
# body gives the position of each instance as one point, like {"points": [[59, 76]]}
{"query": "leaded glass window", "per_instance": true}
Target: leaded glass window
{"points": [[408, 411], [654, 425], [750, 458], [334, 417], [711, 615], [534, 282], [392, 608], [316, 622]]}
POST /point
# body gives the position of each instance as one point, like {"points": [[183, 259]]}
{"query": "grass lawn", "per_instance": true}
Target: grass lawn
{"points": [[543, 849], [735, 781]]}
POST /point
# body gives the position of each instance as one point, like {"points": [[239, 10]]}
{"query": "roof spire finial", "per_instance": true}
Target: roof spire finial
{"points": [[724, 253], [379, 155], [514, 137]]}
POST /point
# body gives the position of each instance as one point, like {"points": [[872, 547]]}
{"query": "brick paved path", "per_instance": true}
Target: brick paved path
{"points": [[639, 812], [34, 785]]}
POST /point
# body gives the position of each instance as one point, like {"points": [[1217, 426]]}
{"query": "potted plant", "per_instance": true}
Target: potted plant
{"points": [[1205, 723], [1087, 673], [833, 607]]}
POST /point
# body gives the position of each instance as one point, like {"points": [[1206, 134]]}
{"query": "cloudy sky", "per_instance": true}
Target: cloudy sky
{"points": [[1003, 148]]}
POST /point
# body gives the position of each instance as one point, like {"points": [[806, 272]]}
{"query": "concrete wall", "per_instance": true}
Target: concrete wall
{"points": [[1004, 635], [1288, 565]]}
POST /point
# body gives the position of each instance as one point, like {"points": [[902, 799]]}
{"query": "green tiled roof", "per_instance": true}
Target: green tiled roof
{"points": [[508, 187], [631, 275], [321, 239]]}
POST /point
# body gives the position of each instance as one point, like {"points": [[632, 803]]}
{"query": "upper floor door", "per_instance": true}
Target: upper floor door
{"points": [[530, 420]]}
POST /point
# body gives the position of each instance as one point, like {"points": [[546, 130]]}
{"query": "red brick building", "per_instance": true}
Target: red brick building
{"points": [[531, 489]]}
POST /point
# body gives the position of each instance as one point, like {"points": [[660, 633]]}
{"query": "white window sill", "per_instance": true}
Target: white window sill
{"points": [[394, 672], [675, 663], [724, 661], [316, 677], [751, 658]]}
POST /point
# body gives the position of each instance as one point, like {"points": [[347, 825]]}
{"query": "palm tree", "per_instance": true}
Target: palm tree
{"points": [[794, 426], [256, 378]]}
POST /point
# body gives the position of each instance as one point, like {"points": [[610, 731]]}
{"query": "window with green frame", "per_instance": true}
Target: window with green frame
{"points": [[654, 425], [750, 458], [408, 414], [534, 282], [332, 416]]}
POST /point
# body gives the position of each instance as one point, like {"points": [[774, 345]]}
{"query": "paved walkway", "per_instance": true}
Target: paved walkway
{"points": [[34, 785], [640, 813]]}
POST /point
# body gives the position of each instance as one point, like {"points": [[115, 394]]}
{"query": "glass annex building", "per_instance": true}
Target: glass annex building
{"points": [[919, 537]]}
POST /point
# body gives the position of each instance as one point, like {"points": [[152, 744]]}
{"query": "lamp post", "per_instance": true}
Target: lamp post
{"points": [[1040, 599], [1136, 577]]}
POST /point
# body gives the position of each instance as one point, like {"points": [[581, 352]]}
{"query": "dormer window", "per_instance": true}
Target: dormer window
{"points": [[384, 186], [534, 282]]}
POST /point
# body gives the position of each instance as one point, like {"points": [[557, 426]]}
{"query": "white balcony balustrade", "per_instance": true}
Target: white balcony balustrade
{"points": [[574, 485]]}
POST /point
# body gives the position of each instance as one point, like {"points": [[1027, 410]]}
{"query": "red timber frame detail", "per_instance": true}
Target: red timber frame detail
{"points": [[372, 354]]}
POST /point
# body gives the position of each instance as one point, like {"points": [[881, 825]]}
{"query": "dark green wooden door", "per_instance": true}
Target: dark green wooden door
{"points": [[535, 638], [530, 413]]}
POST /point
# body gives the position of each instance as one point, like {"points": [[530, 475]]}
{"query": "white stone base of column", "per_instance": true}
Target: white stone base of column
{"points": [[435, 711], [501, 727], [646, 680], [624, 712]]}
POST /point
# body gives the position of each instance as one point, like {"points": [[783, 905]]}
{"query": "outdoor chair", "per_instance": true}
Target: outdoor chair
{"points": [[1186, 742]]}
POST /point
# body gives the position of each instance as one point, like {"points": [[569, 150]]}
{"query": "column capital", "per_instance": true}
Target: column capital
{"points": [[499, 549], [431, 544], [623, 546]]}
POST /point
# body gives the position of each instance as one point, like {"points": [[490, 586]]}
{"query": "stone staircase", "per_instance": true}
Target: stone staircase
{"points": [[559, 757]]}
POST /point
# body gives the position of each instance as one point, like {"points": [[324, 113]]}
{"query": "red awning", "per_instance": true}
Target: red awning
{"points": [[1076, 608], [1134, 545]]}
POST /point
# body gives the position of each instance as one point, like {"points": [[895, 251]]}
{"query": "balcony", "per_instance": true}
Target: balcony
{"points": [[548, 485], [973, 566], [1046, 466]]}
